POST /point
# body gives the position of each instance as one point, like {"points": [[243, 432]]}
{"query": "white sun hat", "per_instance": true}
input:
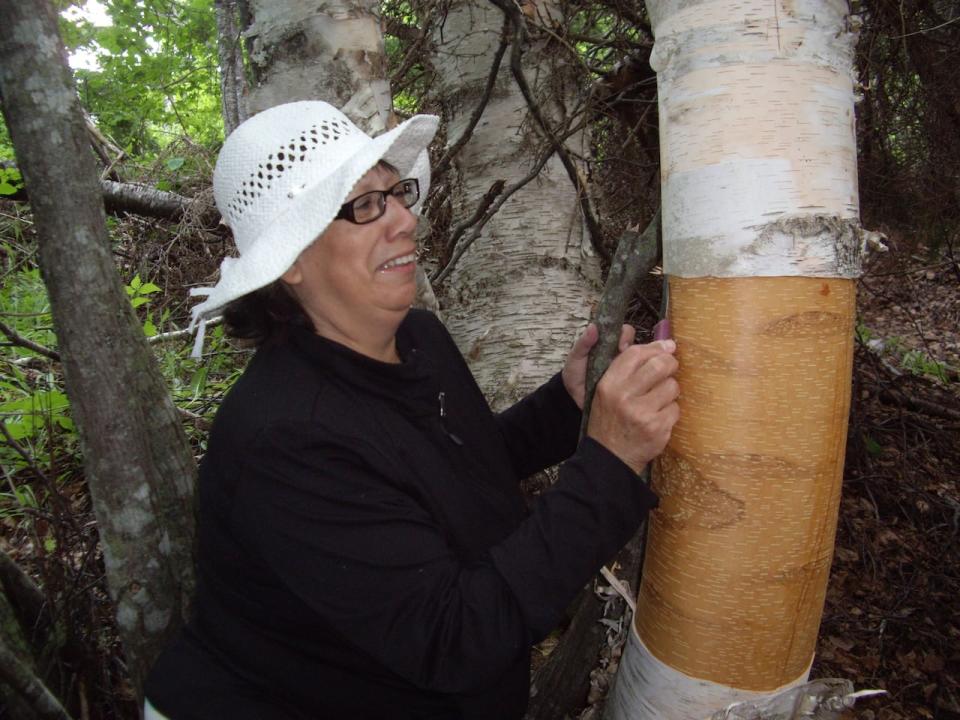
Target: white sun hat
{"points": [[280, 180]]}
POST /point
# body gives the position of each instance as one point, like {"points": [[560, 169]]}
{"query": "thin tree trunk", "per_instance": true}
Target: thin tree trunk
{"points": [[137, 460], [233, 80], [761, 243]]}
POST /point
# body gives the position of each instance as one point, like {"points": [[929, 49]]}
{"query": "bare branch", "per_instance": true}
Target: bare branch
{"points": [[442, 274], [17, 339], [635, 256], [512, 11], [16, 674], [455, 148]]}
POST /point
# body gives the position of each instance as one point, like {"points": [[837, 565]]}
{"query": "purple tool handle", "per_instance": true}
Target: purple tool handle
{"points": [[661, 331]]}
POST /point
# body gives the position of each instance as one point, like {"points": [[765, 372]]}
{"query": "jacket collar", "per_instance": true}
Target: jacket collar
{"points": [[410, 384]]}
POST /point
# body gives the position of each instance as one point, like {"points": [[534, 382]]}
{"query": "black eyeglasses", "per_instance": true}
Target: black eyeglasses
{"points": [[372, 205]]}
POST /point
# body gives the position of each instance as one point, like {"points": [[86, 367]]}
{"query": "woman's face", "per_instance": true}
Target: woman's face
{"points": [[355, 280]]}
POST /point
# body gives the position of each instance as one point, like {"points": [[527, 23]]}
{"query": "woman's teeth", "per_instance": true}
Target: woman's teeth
{"points": [[402, 260]]}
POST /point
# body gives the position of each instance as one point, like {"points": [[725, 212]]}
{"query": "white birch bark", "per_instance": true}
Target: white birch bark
{"points": [[758, 154], [310, 50], [758, 165], [524, 288]]}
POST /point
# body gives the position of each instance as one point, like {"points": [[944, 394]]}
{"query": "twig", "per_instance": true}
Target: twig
{"points": [[20, 341], [455, 148], [441, 275], [177, 334], [512, 11], [485, 202]]}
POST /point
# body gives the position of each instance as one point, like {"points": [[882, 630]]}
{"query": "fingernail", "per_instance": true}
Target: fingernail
{"points": [[668, 345]]}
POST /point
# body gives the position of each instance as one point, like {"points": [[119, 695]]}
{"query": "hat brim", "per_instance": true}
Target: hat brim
{"points": [[275, 251]]}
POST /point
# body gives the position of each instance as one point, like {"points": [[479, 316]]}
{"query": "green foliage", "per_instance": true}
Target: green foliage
{"points": [[10, 180], [157, 77]]}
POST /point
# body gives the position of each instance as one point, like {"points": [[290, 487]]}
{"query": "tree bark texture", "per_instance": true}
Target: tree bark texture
{"points": [[333, 51], [233, 80], [136, 457], [519, 294], [761, 245]]}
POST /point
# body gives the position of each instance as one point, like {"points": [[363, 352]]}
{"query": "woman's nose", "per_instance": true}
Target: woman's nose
{"points": [[397, 212]]}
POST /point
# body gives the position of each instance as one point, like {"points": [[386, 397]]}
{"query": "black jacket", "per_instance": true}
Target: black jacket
{"points": [[365, 551]]}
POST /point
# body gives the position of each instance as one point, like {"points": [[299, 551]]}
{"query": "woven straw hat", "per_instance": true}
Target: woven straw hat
{"points": [[280, 180]]}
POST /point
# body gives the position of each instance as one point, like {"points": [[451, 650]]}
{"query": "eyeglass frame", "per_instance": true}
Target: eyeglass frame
{"points": [[346, 210]]}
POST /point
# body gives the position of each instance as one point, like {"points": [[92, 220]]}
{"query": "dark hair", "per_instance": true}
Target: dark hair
{"points": [[264, 315]]}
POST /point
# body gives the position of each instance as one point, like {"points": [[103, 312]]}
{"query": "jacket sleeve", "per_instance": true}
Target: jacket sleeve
{"points": [[541, 430], [371, 562]]}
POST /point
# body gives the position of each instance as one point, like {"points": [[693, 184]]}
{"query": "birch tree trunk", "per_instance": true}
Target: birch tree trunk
{"points": [[522, 290], [312, 50], [136, 457], [761, 243]]}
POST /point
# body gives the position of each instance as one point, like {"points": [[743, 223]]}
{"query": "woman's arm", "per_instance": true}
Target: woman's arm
{"points": [[370, 560]]}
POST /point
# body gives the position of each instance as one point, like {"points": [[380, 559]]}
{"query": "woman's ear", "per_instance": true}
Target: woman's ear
{"points": [[293, 275]]}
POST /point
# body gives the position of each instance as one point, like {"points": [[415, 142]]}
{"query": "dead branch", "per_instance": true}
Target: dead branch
{"points": [[22, 592], [512, 11], [441, 275], [635, 257], [455, 148], [919, 405], [485, 202], [17, 339], [145, 200], [16, 674]]}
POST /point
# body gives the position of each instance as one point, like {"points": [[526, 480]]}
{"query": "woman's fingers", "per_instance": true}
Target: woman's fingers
{"points": [[635, 407]]}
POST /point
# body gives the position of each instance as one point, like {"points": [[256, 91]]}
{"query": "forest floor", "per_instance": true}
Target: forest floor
{"points": [[892, 616]]}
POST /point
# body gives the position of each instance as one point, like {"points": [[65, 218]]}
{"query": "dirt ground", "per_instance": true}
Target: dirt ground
{"points": [[892, 617]]}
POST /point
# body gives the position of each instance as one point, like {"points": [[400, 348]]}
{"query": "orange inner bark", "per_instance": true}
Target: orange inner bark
{"points": [[739, 552]]}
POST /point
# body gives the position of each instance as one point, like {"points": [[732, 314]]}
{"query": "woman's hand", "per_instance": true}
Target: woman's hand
{"points": [[574, 372], [634, 408]]}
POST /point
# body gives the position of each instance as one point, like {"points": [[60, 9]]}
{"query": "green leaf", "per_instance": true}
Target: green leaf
{"points": [[138, 301], [175, 163], [148, 288], [198, 382], [7, 189]]}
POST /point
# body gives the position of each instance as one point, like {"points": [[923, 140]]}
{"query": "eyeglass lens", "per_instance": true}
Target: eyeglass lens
{"points": [[370, 206]]}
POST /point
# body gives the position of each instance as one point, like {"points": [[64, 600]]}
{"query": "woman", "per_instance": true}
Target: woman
{"points": [[364, 548]]}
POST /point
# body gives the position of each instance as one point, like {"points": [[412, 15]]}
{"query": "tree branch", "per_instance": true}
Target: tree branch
{"points": [[17, 339], [635, 256], [455, 148], [441, 275], [16, 674], [512, 11]]}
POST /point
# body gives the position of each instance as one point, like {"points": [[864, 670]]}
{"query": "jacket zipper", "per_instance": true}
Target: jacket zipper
{"points": [[441, 398]]}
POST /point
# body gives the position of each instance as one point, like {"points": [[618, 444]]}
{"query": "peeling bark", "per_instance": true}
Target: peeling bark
{"points": [[137, 460]]}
